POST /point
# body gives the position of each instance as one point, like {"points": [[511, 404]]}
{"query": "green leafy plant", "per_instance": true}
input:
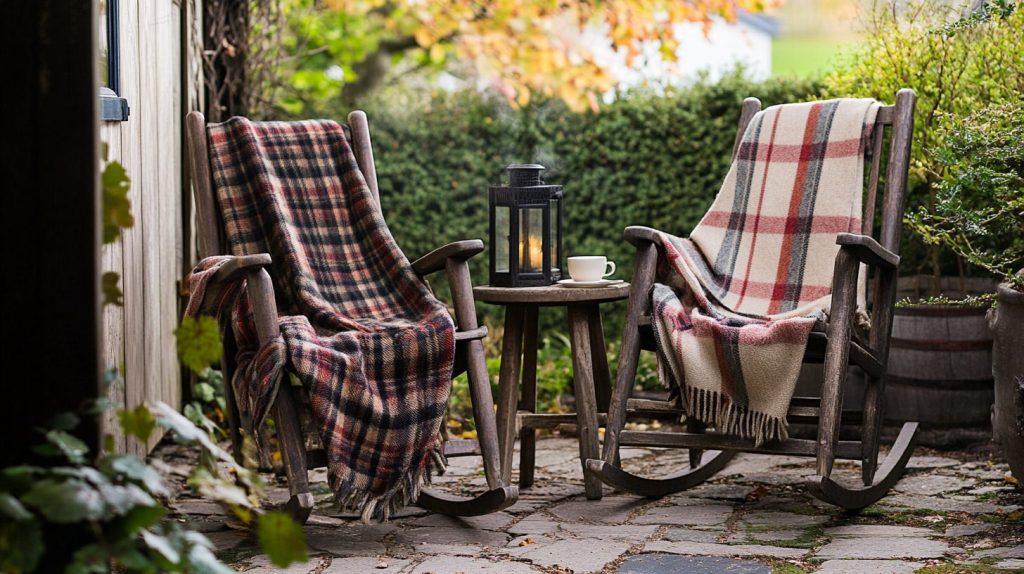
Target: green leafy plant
{"points": [[979, 212], [119, 502], [117, 216], [956, 65]]}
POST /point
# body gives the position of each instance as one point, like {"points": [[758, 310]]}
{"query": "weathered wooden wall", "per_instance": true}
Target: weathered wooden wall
{"points": [[158, 74]]}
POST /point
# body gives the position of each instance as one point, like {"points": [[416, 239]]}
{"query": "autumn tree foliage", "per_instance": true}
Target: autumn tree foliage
{"points": [[563, 48]]}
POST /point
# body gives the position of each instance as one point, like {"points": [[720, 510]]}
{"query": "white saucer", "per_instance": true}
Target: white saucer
{"points": [[585, 284]]}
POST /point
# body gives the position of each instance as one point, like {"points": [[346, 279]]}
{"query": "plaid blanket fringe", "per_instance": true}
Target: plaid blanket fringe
{"points": [[734, 305], [360, 330]]}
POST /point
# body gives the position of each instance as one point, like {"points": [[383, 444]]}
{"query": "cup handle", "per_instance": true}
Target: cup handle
{"points": [[612, 265]]}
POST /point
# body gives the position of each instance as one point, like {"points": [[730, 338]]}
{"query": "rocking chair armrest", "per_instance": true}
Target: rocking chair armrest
{"points": [[438, 258], [868, 251], [637, 235], [239, 265]]}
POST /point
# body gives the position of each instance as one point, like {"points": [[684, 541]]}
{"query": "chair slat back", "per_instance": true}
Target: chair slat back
{"points": [[897, 120], [209, 222]]}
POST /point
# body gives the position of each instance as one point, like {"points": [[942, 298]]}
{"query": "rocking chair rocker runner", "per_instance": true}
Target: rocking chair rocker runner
{"points": [[835, 347], [469, 353]]}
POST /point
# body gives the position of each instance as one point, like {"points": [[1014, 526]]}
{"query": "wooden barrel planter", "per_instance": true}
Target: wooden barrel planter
{"points": [[940, 374], [940, 366]]}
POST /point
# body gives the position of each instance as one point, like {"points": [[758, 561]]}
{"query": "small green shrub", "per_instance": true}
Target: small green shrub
{"points": [[955, 65], [979, 211]]}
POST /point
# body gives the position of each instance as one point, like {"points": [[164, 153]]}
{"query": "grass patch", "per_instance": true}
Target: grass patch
{"points": [[909, 517], [808, 538], [807, 57], [788, 568]]}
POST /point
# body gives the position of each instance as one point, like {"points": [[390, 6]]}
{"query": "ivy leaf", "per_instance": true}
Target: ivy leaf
{"points": [[120, 500], [204, 392], [69, 445], [112, 294], [117, 208], [12, 508], [18, 478], [63, 421], [281, 539], [21, 545], [137, 422], [218, 489], [198, 342], [131, 524], [135, 470], [201, 560], [162, 546], [65, 502], [186, 431]]}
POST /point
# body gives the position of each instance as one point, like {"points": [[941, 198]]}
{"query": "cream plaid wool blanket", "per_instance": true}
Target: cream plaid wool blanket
{"points": [[734, 304]]}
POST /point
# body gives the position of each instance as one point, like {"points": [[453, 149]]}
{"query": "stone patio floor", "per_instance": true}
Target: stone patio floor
{"points": [[952, 512]]}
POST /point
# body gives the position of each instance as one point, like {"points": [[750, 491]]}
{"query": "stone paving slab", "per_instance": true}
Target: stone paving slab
{"points": [[674, 564], [755, 515], [883, 548], [445, 565], [688, 515], [706, 549], [868, 567]]}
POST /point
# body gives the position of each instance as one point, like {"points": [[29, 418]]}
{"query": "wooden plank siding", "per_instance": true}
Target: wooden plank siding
{"points": [[151, 257]]}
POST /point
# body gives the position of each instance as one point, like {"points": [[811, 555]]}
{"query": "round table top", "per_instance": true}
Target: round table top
{"points": [[550, 294]]}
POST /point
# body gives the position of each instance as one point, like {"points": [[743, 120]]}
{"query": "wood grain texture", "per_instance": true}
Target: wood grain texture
{"points": [[528, 398], [644, 266], [552, 295], [508, 385], [583, 387]]}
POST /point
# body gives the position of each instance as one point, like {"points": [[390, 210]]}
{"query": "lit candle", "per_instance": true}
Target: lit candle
{"points": [[534, 254]]}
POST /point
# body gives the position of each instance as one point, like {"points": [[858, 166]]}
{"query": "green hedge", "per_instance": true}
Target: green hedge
{"points": [[645, 159]]}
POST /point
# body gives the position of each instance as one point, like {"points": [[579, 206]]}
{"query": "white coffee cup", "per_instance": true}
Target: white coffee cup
{"points": [[590, 268]]}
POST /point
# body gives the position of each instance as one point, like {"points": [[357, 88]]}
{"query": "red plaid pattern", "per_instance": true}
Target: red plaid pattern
{"points": [[736, 301], [361, 331]]}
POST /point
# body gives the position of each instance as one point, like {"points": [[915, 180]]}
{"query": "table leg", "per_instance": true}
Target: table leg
{"points": [[602, 376], [528, 398], [586, 407], [508, 386]]}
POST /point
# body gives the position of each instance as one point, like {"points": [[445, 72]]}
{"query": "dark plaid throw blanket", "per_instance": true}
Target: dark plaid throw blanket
{"points": [[735, 303], [358, 328]]}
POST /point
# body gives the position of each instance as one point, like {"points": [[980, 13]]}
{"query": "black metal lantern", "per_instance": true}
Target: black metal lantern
{"points": [[526, 229]]}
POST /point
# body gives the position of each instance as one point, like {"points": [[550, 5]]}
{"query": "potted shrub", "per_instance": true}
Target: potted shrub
{"points": [[979, 215]]}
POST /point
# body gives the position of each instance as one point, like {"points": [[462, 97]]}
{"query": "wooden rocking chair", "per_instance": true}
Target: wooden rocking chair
{"points": [[469, 354], [835, 347]]}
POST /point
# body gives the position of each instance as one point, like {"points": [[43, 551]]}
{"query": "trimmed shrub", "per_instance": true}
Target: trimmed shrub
{"points": [[645, 159]]}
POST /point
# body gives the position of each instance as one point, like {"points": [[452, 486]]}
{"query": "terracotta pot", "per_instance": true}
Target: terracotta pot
{"points": [[1007, 323]]}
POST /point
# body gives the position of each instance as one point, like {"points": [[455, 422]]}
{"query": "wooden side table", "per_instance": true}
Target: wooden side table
{"points": [[591, 379]]}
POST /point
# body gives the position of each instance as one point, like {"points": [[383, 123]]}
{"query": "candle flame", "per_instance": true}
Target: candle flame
{"points": [[534, 259]]}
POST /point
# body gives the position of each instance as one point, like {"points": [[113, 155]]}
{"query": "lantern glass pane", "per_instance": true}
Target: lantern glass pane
{"points": [[502, 232], [555, 232], [531, 240]]}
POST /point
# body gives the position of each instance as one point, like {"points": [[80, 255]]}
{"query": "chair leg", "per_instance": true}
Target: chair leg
{"points": [[602, 378], [483, 414], [508, 386], [586, 402], [499, 494], [837, 355], [293, 454], [874, 408], [629, 354], [528, 399], [697, 427]]}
